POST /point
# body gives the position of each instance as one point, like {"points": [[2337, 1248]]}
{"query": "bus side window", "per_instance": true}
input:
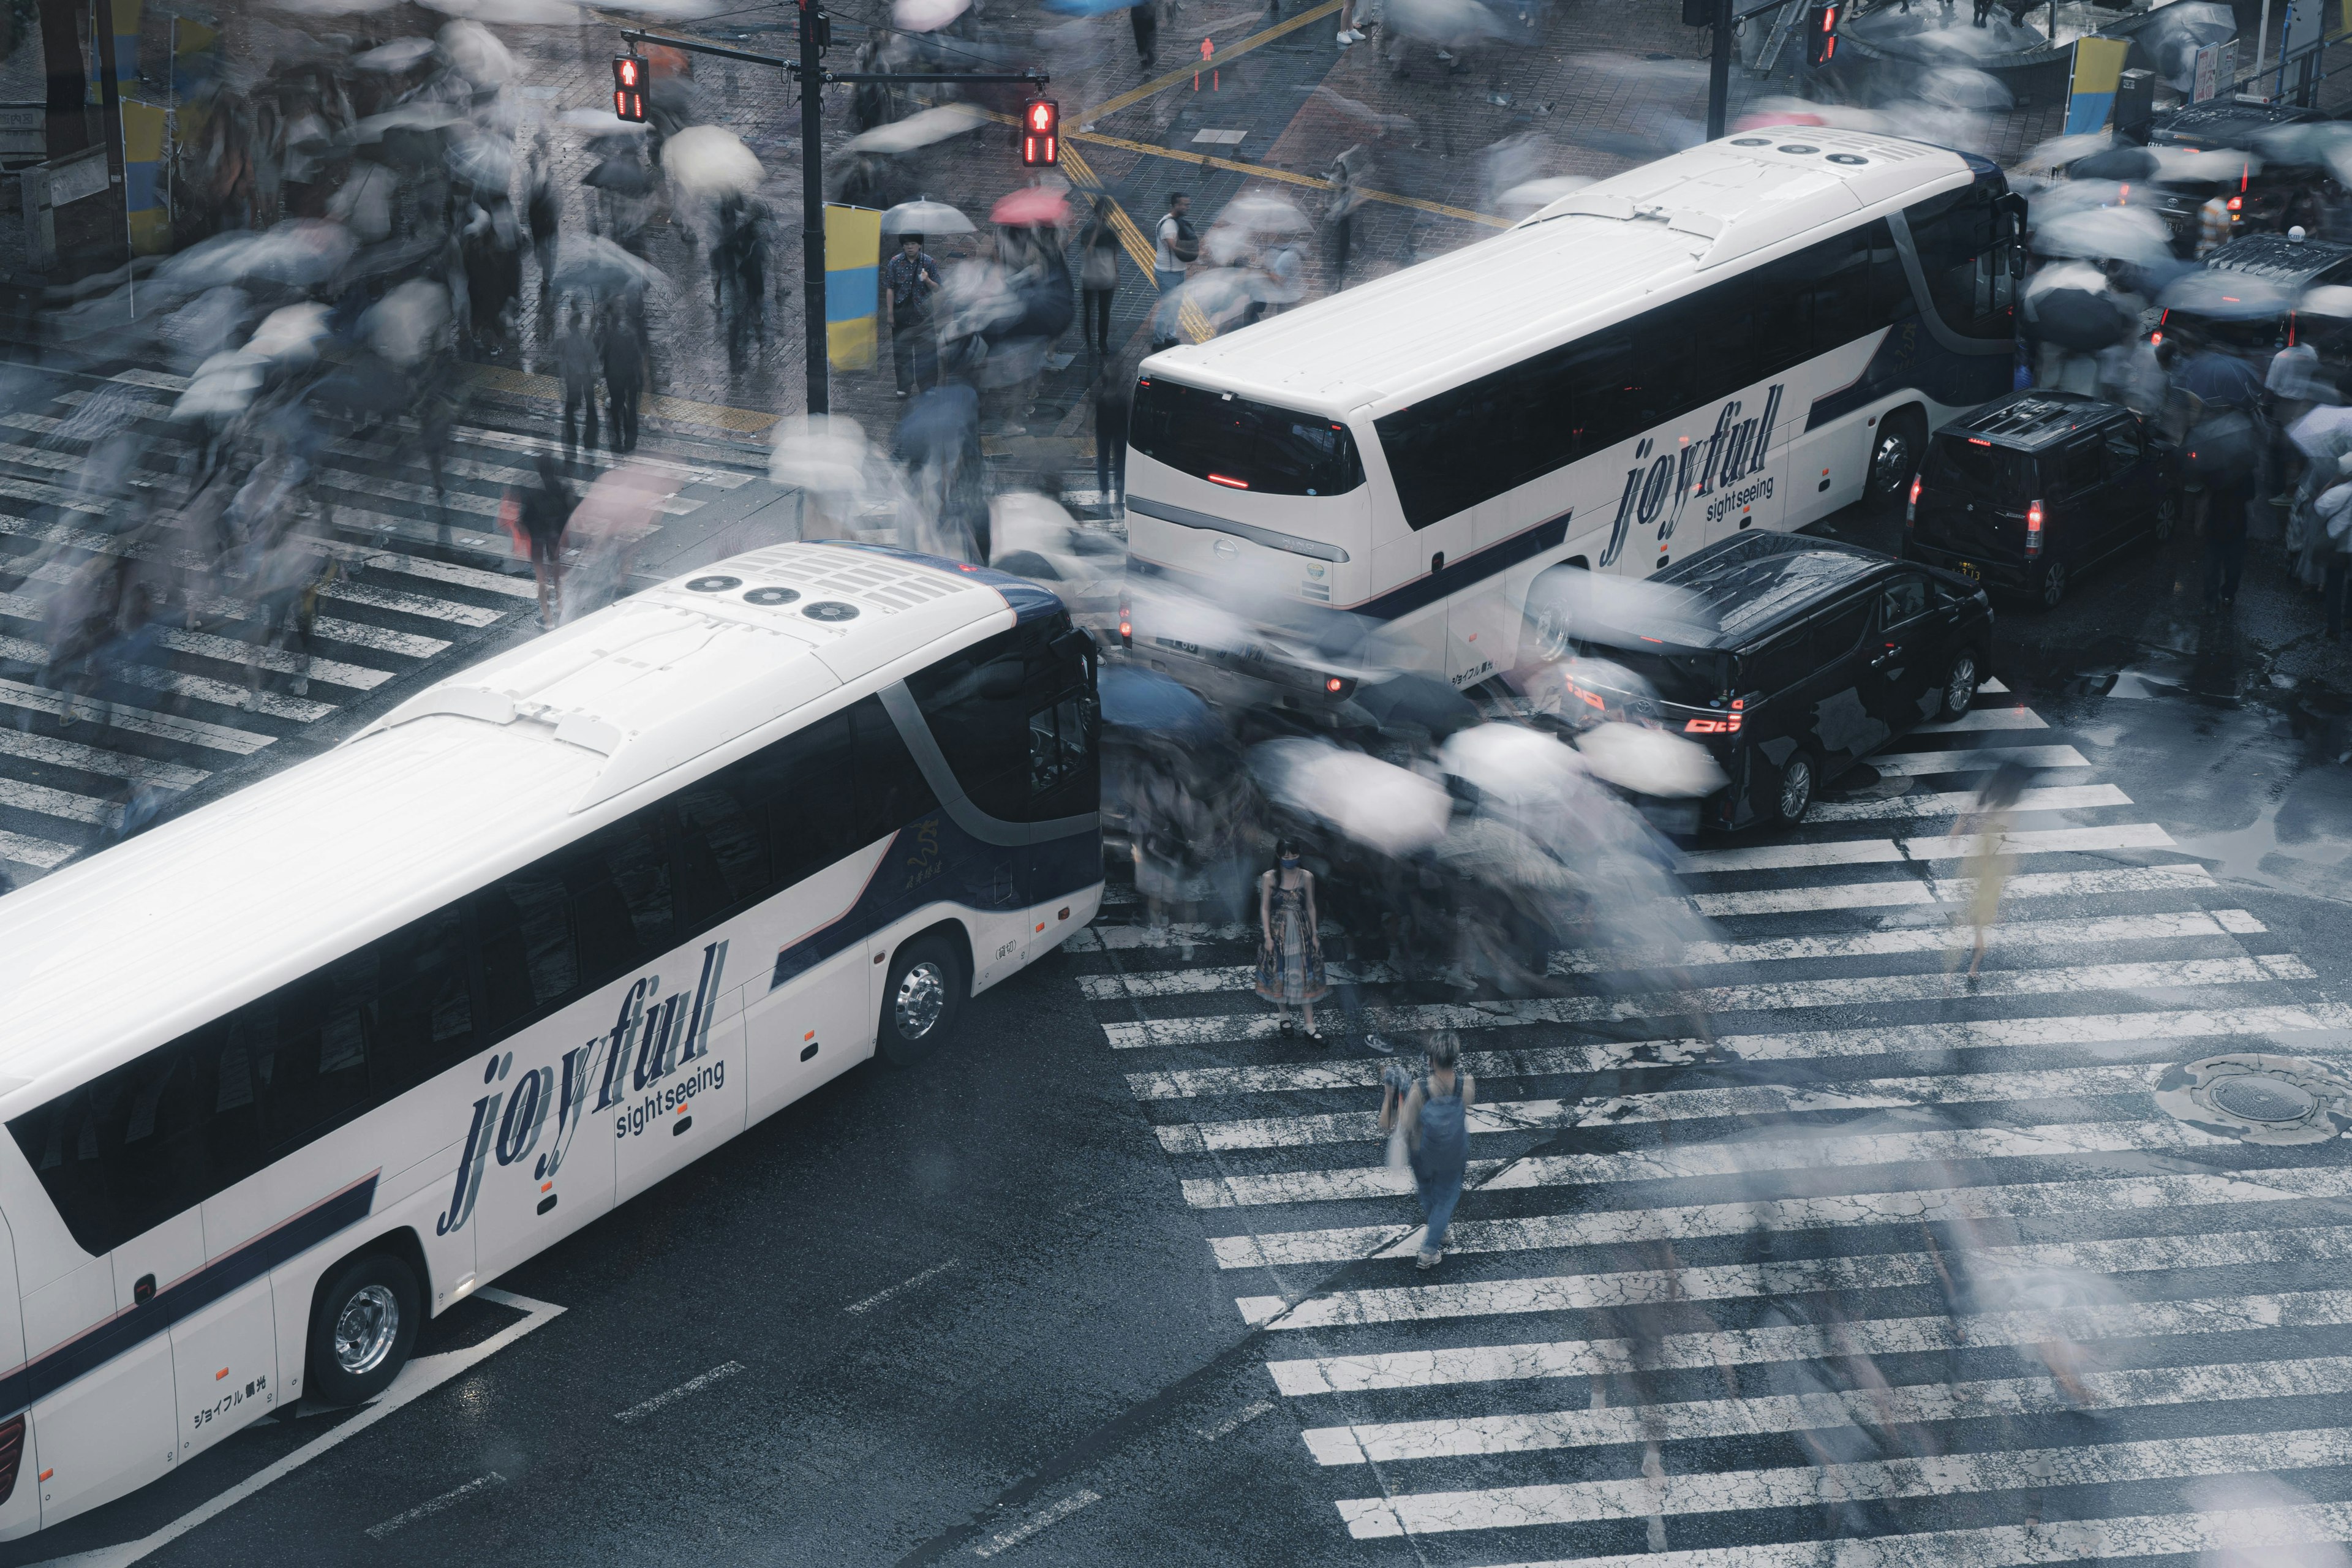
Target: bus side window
{"points": [[891, 790], [806, 781], [1890, 285], [1724, 320], [320, 1067], [1837, 294], [1600, 375], [1965, 264], [423, 1015], [623, 906], [973, 703], [1783, 329], [523, 929], [722, 834]]}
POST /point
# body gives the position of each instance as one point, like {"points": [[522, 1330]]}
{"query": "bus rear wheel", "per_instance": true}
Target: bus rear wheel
{"points": [[363, 1326], [1894, 456], [921, 1000]]}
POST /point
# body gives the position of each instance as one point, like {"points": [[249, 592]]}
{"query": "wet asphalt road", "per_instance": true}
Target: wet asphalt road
{"points": [[963, 1312]]}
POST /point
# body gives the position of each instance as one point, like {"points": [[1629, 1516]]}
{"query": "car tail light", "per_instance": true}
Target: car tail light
{"points": [[12, 1454], [1727, 726], [2237, 204], [1911, 507], [1589, 698], [2033, 531], [1126, 622]]}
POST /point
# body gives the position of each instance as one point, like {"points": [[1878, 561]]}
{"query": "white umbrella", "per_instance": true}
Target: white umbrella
{"points": [[479, 56], [926, 217], [222, 386], [1446, 22], [2174, 164], [918, 130], [603, 121], [2060, 150], [407, 324], [1964, 87], [418, 114], [2323, 433], [296, 251], [1263, 213], [2118, 233], [710, 161], [2328, 300], [2225, 295], [290, 332], [511, 13], [926, 16], [1532, 196], [1649, 762], [396, 56], [1510, 762], [826, 453], [1377, 804]]}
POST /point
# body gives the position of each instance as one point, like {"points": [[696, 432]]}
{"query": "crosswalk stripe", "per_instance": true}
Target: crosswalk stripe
{"points": [[1837, 1210], [2109, 1392], [73, 755], [1979, 721], [1992, 687], [1972, 759], [201, 688], [1204, 981], [1678, 1105], [1685, 1161], [60, 803], [1106, 938], [1940, 890], [2087, 1030], [1738, 1281], [1777, 996], [1952, 803], [1938, 938], [1641, 1497], [229, 650], [38, 852], [140, 721], [325, 629], [1868, 851]]}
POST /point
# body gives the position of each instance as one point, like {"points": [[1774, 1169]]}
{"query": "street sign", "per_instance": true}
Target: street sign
{"points": [[1821, 32], [2217, 70], [1041, 134], [629, 86]]}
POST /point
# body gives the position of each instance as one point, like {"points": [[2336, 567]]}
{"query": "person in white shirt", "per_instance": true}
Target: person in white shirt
{"points": [[1175, 238]]}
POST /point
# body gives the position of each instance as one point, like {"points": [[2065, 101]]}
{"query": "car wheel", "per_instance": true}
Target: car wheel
{"points": [[2054, 584], [1960, 686], [921, 1003], [2168, 513], [1797, 781], [1895, 458], [363, 1326]]}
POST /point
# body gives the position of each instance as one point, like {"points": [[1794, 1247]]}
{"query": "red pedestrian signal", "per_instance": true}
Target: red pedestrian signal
{"points": [[629, 86], [1041, 134], [1821, 32]]}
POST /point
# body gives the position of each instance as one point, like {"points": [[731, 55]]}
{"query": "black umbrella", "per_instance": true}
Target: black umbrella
{"points": [[1420, 700], [2116, 164], [2079, 318], [622, 177]]}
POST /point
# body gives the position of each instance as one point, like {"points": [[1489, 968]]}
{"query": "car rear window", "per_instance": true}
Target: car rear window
{"points": [[1246, 445], [1957, 467], [1691, 677]]}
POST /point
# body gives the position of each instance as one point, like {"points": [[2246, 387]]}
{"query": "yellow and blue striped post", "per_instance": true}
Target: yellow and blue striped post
{"points": [[853, 280], [142, 177], [2098, 70], [195, 62]]}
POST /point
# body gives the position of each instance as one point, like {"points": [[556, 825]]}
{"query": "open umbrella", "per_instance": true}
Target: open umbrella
{"points": [[1510, 762], [926, 16], [396, 56], [918, 130], [418, 114], [710, 161], [2116, 233], [222, 386], [622, 177], [1029, 207], [2073, 307], [1390, 808], [289, 332], [1649, 762], [595, 265], [925, 217], [486, 162], [2224, 295], [299, 251], [1149, 702], [2324, 432], [603, 121], [1263, 212], [476, 54], [2328, 300], [2116, 164], [1419, 701]]}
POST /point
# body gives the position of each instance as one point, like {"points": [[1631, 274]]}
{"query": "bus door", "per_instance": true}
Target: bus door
{"points": [[1065, 785], [21, 1512]]}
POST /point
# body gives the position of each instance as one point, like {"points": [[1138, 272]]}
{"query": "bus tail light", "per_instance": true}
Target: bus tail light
{"points": [[1911, 507], [2033, 531], [12, 1454]]}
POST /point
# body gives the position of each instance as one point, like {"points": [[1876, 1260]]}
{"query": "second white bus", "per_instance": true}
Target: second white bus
{"points": [[304, 1066], [1748, 334]]}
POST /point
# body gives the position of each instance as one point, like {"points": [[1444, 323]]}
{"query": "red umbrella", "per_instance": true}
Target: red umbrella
{"points": [[1029, 207]]}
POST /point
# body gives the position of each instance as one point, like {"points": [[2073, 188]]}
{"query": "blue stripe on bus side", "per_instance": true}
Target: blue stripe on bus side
{"points": [[185, 1297]]}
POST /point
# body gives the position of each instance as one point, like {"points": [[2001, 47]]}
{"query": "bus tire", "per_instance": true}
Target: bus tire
{"points": [[1895, 454], [922, 1000], [363, 1323]]}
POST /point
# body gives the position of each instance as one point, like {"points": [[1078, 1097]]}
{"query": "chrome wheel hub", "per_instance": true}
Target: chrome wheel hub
{"points": [[1796, 788], [921, 997], [365, 1330], [1892, 462], [1961, 690]]}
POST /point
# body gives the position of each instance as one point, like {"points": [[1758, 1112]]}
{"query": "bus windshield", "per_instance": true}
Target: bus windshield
{"points": [[1239, 444]]}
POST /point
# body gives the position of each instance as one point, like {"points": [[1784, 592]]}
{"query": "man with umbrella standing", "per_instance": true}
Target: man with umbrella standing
{"points": [[625, 374], [576, 362], [910, 279]]}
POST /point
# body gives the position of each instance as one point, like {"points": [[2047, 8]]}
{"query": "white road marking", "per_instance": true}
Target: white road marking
{"points": [[1992, 688], [418, 1378], [38, 852], [1020, 1532], [201, 688], [1394, 1442], [1972, 759], [1838, 1211], [1237, 1420], [2057, 797], [1202, 982], [1978, 720], [1937, 938], [140, 721], [692, 1385], [92, 760], [1800, 1486], [58, 803], [1778, 996], [1682, 1162], [428, 1508], [1870, 851], [1738, 1281], [933, 1272], [231, 650], [1176, 935], [1950, 890]]}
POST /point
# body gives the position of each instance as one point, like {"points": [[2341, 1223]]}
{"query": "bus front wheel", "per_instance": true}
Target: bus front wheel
{"points": [[920, 1001], [362, 1325]]}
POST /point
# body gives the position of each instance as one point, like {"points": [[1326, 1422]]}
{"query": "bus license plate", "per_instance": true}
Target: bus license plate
{"points": [[1968, 570]]}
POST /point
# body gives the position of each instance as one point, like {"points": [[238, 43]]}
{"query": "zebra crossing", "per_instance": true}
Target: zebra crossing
{"points": [[417, 593], [1798, 1246]]}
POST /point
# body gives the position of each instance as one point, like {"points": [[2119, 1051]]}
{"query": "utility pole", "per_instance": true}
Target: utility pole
{"points": [[1718, 71], [809, 71]]}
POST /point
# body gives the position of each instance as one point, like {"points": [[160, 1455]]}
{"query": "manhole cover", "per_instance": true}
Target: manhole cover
{"points": [[2259, 1099], [2262, 1098]]}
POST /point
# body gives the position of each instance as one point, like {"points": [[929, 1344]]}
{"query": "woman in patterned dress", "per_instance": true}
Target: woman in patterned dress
{"points": [[1290, 962]]}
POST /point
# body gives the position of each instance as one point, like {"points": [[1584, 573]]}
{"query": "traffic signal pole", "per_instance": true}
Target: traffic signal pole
{"points": [[1718, 71], [809, 71]]}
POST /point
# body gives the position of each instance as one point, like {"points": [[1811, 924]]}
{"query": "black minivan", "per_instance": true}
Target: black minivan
{"points": [[2028, 492], [1790, 658]]}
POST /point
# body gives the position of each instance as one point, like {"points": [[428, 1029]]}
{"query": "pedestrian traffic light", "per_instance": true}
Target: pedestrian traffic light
{"points": [[1821, 32], [1041, 134], [629, 86]]}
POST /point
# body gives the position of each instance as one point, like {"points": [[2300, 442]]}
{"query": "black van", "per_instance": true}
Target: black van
{"points": [[2027, 491], [1795, 657]]}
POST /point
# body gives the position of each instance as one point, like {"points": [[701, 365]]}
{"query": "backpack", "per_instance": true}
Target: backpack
{"points": [[1186, 246]]}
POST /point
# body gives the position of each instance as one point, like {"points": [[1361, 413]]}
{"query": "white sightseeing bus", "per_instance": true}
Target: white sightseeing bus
{"points": [[306, 1065], [1747, 334]]}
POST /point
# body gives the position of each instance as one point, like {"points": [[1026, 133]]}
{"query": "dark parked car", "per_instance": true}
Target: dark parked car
{"points": [[1791, 659], [2030, 489]]}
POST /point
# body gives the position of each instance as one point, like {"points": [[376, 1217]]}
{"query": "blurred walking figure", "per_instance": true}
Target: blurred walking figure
{"points": [[1990, 863], [1340, 213], [1099, 278], [1434, 1120], [1110, 435], [1290, 963], [2226, 440], [544, 210], [1176, 244], [577, 363], [1144, 20], [912, 277], [543, 512], [290, 571], [624, 354]]}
